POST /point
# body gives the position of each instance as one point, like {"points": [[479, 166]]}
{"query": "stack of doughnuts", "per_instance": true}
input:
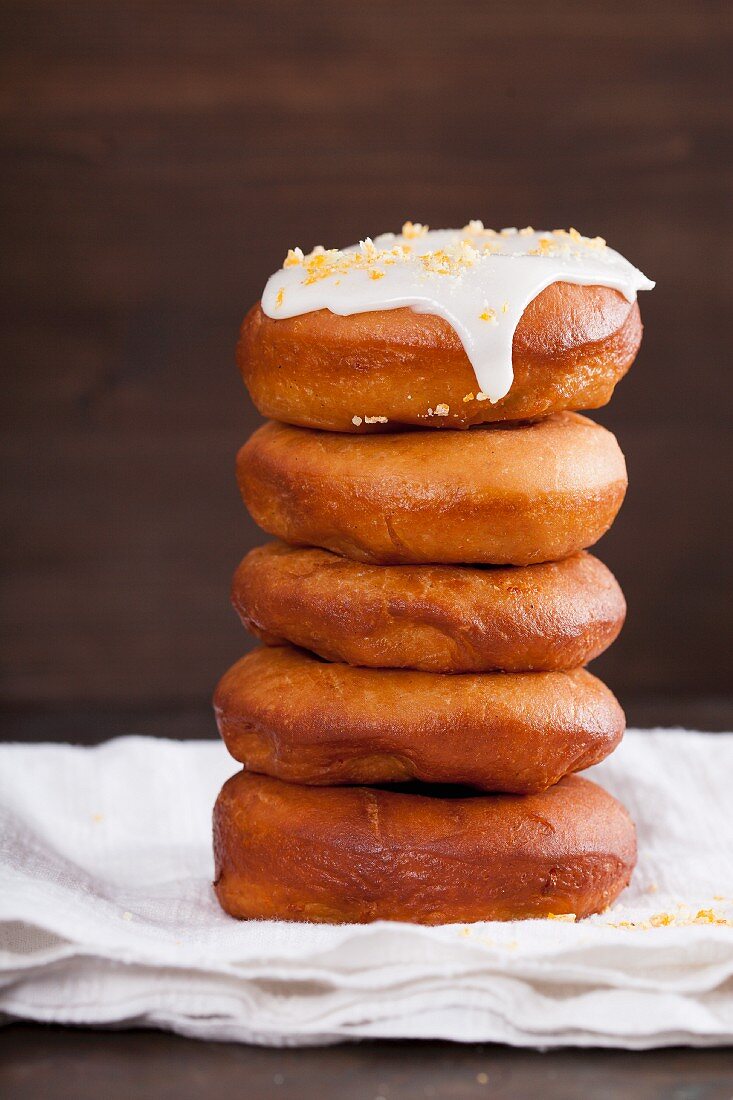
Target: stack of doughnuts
{"points": [[411, 726]]}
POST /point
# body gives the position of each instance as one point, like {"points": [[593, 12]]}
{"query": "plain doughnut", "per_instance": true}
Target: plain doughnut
{"points": [[437, 618], [502, 494], [284, 712], [355, 854]]}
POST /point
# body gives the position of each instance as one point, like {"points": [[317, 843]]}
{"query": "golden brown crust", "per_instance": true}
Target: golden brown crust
{"points": [[354, 854], [288, 714], [436, 618], [504, 494], [319, 370]]}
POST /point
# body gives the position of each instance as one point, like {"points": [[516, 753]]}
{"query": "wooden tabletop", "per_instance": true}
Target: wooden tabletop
{"points": [[38, 1062]]}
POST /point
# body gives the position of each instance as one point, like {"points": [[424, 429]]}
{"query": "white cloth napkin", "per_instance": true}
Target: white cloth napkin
{"points": [[107, 917]]}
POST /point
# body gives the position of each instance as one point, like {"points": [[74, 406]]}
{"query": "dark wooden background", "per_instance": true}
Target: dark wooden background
{"points": [[159, 158]]}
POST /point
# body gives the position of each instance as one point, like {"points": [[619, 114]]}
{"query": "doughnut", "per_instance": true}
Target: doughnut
{"points": [[355, 854], [498, 494], [378, 371], [286, 713], [435, 618]]}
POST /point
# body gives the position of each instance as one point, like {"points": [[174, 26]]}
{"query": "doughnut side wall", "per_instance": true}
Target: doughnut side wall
{"points": [[354, 855]]}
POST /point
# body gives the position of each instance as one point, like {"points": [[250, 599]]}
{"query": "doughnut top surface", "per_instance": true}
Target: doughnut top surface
{"points": [[478, 280]]}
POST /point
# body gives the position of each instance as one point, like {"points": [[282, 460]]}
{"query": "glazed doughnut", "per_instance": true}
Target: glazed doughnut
{"points": [[503, 494], [319, 370], [286, 713], [437, 618], [354, 855]]}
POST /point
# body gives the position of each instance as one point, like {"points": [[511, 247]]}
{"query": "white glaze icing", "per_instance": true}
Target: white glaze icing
{"points": [[479, 280]]}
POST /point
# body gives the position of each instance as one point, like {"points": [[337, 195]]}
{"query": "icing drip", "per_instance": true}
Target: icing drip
{"points": [[479, 280]]}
